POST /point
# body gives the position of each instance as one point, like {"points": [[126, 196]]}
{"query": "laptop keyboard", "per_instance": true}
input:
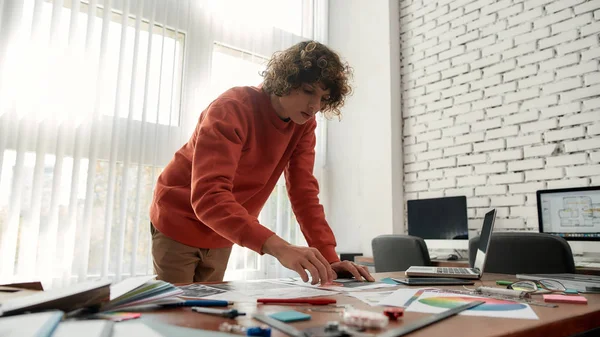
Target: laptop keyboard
{"points": [[451, 270]]}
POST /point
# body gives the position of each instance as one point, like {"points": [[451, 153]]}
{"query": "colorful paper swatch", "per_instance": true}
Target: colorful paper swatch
{"points": [[436, 302], [491, 304]]}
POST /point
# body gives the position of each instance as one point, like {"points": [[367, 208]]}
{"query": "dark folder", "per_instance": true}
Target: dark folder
{"points": [[83, 295]]}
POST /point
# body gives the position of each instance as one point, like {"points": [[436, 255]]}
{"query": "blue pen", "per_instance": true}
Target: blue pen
{"points": [[198, 303]]}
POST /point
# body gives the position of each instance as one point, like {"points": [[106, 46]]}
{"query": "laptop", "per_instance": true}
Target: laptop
{"points": [[467, 273]]}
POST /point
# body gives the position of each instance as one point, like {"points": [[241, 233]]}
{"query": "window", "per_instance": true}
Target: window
{"points": [[64, 74], [60, 76], [231, 67], [283, 14]]}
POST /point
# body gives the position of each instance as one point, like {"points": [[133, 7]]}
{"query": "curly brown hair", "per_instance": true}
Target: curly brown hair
{"points": [[309, 62]]}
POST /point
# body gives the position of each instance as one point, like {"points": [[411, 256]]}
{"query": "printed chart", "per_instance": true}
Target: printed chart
{"points": [[436, 302]]}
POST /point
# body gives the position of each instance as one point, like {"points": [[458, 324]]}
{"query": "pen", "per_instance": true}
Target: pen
{"points": [[313, 301], [231, 313], [198, 303], [504, 283]]}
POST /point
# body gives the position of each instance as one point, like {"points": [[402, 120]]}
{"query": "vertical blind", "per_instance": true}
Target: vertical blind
{"points": [[95, 97]]}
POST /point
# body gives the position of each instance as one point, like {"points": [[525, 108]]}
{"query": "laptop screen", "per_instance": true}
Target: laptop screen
{"points": [[484, 239]]}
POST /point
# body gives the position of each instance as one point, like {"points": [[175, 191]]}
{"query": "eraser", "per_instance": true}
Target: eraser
{"points": [[290, 316], [565, 299]]}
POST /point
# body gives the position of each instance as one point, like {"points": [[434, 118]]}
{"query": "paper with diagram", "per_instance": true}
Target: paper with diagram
{"points": [[249, 291], [436, 301], [341, 285], [571, 213]]}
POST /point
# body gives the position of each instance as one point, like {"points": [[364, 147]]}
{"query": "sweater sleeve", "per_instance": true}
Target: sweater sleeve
{"points": [[218, 143], [303, 190]]}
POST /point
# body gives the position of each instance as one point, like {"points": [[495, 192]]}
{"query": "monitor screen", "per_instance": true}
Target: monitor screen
{"points": [[573, 213], [439, 218]]}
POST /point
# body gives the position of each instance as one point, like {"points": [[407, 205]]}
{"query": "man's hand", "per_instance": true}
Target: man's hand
{"points": [[359, 272], [300, 259]]}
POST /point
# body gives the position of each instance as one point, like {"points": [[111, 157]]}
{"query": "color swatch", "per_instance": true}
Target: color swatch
{"points": [[491, 304]]}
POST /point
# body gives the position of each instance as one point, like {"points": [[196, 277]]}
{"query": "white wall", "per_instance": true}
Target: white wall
{"points": [[501, 98], [364, 152]]}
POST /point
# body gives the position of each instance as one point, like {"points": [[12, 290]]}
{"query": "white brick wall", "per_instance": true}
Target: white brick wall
{"points": [[506, 96]]}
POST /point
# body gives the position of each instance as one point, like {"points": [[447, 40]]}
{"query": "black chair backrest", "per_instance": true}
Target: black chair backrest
{"points": [[399, 252], [525, 253]]}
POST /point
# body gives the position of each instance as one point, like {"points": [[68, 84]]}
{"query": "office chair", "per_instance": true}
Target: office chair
{"points": [[525, 253], [398, 252]]}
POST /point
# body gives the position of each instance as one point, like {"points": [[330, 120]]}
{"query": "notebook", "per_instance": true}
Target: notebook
{"points": [[466, 273], [140, 291], [82, 295]]}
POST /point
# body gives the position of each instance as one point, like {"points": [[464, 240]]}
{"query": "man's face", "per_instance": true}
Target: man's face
{"points": [[303, 103]]}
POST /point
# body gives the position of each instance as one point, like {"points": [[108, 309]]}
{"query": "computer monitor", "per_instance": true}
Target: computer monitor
{"points": [[572, 213], [442, 222]]}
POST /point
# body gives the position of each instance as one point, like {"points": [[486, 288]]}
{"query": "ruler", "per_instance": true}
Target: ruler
{"points": [[275, 324], [429, 320]]}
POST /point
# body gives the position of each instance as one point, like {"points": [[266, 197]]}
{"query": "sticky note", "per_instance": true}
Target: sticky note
{"points": [[565, 299], [290, 316]]}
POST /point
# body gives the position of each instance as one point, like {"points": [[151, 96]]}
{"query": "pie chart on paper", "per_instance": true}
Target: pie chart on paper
{"points": [[491, 304]]}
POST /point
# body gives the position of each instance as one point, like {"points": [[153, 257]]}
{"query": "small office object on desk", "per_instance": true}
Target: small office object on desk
{"points": [[228, 313], [430, 320], [290, 316], [309, 300], [197, 303], [554, 298]]}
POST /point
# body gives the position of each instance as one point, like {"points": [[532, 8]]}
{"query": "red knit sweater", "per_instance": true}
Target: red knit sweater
{"points": [[210, 194]]}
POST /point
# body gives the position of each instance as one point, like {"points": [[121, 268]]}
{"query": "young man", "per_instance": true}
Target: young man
{"points": [[210, 194]]}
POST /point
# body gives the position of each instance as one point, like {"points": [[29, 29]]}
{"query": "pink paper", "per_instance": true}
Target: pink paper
{"points": [[565, 299]]}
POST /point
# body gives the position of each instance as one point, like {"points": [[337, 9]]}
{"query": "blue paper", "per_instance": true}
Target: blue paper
{"points": [[290, 316]]}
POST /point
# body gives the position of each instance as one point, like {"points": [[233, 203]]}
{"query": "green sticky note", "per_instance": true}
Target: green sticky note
{"points": [[290, 316]]}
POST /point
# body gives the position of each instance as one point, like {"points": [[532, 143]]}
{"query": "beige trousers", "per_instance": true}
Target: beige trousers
{"points": [[175, 262]]}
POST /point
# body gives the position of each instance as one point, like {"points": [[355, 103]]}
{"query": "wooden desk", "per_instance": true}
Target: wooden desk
{"points": [[566, 320]]}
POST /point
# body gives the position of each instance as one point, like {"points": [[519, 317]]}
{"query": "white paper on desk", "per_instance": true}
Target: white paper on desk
{"points": [[371, 297], [280, 293], [30, 325], [400, 297], [250, 291], [88, 328], [134, 329], [436, 302], [346, 285]]}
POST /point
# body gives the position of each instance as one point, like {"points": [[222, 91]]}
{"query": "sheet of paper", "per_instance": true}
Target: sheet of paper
{"points": [[250, 291], [436, 302], [30, 325], [400, 297], [88, 328], [342, 285], [128, 285], [371, 297], [199, 291], [134, 329]]}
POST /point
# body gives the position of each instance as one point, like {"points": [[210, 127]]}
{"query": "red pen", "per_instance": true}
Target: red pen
{"points": [[313, 301]]}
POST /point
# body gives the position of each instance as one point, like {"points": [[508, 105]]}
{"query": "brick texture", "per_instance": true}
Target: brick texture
{"points": [[500, 99]]}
